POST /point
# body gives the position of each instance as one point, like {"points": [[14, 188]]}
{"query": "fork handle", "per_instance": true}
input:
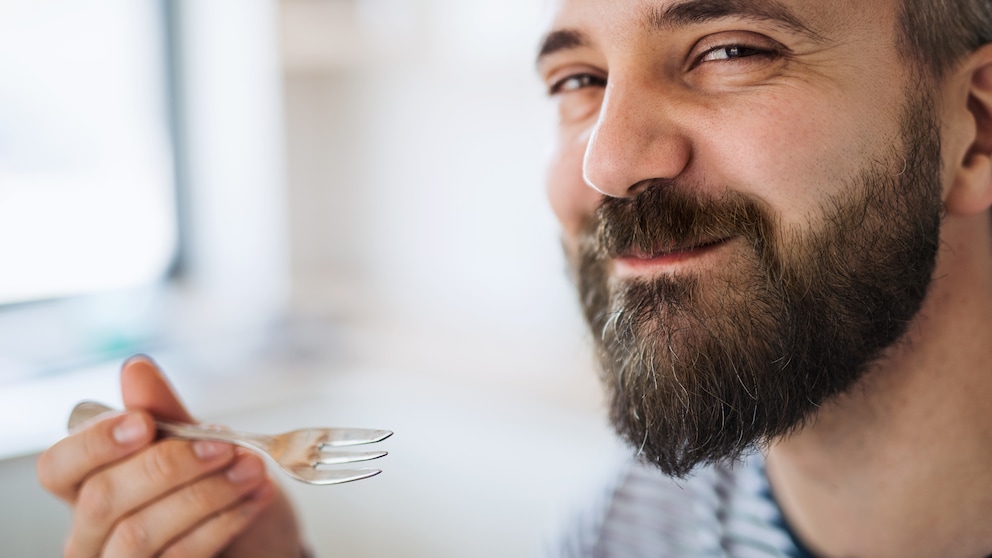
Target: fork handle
{"points": [[87, 410], [256, 442]]}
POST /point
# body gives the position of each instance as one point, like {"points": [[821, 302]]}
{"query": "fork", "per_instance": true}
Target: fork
{"points": [[299, 453]]}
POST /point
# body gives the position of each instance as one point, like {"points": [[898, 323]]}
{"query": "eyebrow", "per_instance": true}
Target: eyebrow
{"points": [[687, 13], [564, 39], [694, 12]]}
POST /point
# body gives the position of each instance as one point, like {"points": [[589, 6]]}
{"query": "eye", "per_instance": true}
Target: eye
{"points": [[736, 48], [575, 82], [733, 52], [732, 59]]}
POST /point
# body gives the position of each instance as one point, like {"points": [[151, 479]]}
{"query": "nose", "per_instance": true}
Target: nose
{"points": [[636, 139]]}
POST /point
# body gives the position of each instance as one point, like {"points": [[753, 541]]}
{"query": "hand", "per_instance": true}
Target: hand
{"points": [[132, 495]]}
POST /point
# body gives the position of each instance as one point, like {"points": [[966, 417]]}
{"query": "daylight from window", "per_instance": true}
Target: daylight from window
{"points": [[87, 197]]}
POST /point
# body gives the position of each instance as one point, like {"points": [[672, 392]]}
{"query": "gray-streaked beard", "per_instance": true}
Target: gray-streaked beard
{"points": [[701, 368]]}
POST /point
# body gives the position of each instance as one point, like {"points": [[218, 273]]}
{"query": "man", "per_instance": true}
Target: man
{"points": [[778, 216], [778, 211]]}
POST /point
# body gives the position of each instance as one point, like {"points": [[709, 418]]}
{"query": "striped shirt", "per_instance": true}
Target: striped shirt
{"points": [[721, 511]]}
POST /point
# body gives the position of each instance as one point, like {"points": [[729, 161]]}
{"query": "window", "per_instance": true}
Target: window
{"points": [[107, 245], [87, 188], [86, 184]]}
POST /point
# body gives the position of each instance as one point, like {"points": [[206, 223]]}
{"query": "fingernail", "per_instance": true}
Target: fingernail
{"points": [[129, 430], [245, 469], [207, 450], [137, 357]]}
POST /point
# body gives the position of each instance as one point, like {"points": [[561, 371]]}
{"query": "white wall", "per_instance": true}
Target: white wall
{"points": [[416, 163], [419, 169]]}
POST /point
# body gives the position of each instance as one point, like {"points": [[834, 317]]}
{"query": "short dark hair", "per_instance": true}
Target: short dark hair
{"points": [[937, 34]]}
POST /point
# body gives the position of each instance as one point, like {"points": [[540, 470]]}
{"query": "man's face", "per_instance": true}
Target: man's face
{"points": [[750, 196]]}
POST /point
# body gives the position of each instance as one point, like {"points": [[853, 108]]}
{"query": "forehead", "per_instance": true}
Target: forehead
{"points": [[617, 20]]}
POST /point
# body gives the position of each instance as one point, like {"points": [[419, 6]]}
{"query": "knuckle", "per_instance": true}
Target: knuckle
{"points": [[45, 472], [202, 495], [93, 445], [162, 463], [95, 502], [131, 536]]}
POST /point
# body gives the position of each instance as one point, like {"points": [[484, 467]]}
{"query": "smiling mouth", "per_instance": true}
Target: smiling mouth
{"points": [[638, 262]]}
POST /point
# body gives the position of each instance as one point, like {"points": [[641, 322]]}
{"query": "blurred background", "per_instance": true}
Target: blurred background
{"points": [[310, 213]]}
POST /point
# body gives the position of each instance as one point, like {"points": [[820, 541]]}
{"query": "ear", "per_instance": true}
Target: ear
{"points": [[971, 191]]}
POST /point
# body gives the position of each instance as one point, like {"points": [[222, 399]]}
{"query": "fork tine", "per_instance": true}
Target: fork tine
{"points": [[340, 437], [339, 457], [338, 476]]}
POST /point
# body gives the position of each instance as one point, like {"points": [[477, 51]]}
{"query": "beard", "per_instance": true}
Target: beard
{"points": [[701, 369]]}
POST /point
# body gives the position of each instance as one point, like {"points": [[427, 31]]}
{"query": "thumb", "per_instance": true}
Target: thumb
{"points": [[143, 386]]}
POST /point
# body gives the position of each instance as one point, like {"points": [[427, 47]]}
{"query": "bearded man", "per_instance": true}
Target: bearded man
{"points": [[778, 216]]}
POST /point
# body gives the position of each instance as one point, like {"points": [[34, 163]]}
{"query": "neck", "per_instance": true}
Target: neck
{"points": [[899, 466]]}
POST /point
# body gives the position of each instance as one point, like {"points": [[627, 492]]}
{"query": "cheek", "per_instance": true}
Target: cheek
{"points": [[794, 157], [572, 201]]}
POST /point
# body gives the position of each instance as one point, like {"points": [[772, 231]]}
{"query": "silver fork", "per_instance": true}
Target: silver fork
{"points": [[299, 453]]}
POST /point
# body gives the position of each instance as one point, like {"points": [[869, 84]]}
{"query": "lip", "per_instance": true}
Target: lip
{"points": [[666, 261]]}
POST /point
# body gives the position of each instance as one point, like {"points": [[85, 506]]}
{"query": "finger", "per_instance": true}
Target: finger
{"points": [[63, 467], [131, 485], [144, 387], [150, 530], [213, 536]]}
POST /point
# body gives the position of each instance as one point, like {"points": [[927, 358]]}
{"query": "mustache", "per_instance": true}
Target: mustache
{"points": [[667, 215]]}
